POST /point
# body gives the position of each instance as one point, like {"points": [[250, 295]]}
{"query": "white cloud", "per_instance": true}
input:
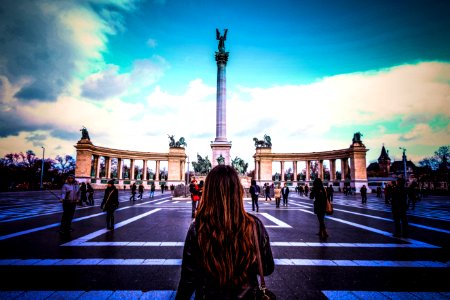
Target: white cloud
{"points": [[152, 43], [296, 117]]}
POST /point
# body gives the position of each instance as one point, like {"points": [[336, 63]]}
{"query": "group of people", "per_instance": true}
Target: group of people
{"points": [[279, 193], [140, 191], [214, 265], [86, 194]]}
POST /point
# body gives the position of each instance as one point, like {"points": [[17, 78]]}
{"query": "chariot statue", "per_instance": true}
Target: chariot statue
{"points": [[357, 138], [265, 143], [180, 143]]}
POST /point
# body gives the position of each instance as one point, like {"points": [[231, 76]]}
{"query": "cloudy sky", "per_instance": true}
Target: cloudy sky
{"points": [[307, 73]]}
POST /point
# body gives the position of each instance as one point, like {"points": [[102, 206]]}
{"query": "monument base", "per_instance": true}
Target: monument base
{"points": [[218, 149]]}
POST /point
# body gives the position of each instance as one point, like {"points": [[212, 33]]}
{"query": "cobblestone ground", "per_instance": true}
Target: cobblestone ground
{"points": [[141, 258]]}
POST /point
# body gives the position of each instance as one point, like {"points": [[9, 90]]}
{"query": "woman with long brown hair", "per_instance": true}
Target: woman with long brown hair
{"points": [[219, 256]]}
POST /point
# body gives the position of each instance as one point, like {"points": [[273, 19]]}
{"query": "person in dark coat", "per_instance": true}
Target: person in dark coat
{"points": [[399, 205], [141, 191], [90, 191], [133, 192], [285, 194], [219, 255], [319, 194], [110, 203], [254, 193], [363, 191], [330, 192], [83, 194]]}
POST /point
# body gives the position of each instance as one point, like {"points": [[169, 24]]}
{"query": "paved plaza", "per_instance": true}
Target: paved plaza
{"points": [[141, 258]]}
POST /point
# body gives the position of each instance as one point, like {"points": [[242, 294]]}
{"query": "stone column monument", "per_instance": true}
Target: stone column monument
{"points": [[221, 146]]}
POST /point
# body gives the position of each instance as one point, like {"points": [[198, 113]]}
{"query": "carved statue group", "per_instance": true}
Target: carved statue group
{"points": [[265, 143], [202, 166], [357, 138], [180, 143], [239, 165], [221, 39]]}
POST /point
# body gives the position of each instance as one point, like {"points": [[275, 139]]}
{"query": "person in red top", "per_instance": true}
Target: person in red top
{"points": [[194, 189]]}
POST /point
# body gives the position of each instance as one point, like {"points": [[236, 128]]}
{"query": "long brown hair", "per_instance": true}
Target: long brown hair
{"points": [[225, 230]]}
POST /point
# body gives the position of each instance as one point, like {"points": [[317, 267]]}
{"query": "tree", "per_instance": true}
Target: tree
{"points": [[64, 164], [438, 160]]}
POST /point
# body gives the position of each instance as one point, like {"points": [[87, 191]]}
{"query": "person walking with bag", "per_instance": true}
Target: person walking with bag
{"points": [[110, 203], [225, 247], [133, 192], [254, 193], [319, 194], [70, 195]]}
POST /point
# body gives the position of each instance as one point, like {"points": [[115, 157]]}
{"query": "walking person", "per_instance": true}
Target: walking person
{"points": [[214, 265], [363, 191], [141, 191], [110, 203], [83, 194], [330, 192], [285, 194], [399, 204], [133, 192], [267, 191], [306, 190], [70, 195], [319, 194], [195, 197], [90, 191], [277, 195], [254, 194], [152, 190]]}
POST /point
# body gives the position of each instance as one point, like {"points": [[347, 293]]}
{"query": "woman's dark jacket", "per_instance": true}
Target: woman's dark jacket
{"points": [[194, 277], [113, 202], [320, 201]]}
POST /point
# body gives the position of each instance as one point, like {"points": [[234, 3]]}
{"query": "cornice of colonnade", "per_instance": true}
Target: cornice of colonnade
{"points": [[323, 155], [125, 154]]}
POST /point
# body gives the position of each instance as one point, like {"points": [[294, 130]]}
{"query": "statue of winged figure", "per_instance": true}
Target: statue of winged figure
{"points": [[221, 39]]}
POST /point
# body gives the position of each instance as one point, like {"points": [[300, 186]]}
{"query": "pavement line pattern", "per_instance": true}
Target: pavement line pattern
{"points": [[177, 262], [167, 294], [356, 295], [385, 233], [272, 244], [97, 233], [23, 232], [381, 218], [280, 224]]}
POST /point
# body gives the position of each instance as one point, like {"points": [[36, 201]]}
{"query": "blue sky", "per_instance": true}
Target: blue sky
{"points": [[308, 73]]}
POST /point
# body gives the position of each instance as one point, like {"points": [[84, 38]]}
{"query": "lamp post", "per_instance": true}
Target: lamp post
{"points": [[404, 163], [42, 168], [187, 177]]}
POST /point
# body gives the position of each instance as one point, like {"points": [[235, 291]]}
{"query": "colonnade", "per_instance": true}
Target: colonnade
{"points": [[88, 165], [352, 159]]}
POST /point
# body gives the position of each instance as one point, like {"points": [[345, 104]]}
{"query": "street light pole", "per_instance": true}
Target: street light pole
{"points": [[187, 177], [42, 168], [404, 163]]}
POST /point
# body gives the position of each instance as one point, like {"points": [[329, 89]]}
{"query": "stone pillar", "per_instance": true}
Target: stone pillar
{"points": [[97, 168], [295, 171], [308, 166], [131, 169], [221, 146], [358, 167], [108, 167], [157, 170], [320, 171], [256, 170], [144, 170], [332, 170], [176, 156], [119, 168], [282, 171]]}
